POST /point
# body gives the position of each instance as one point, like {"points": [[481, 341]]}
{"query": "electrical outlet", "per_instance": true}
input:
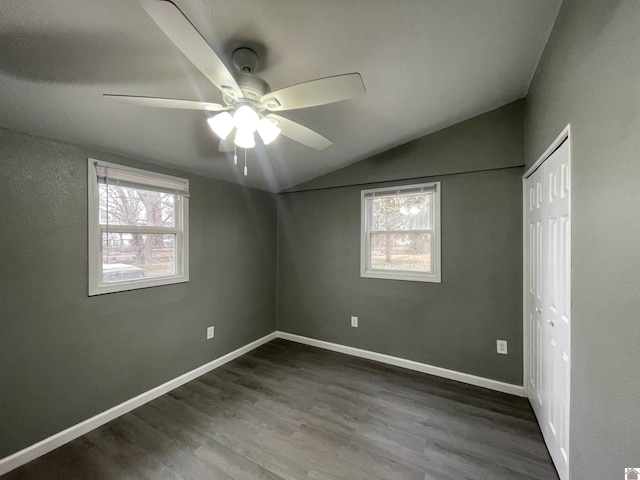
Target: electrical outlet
{"points": [[354, 322], [502, 346], [210, 332]]}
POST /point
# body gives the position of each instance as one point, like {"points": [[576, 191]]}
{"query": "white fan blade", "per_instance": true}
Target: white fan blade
{"points": [[300, 133], [316, 92], [189, 41], [167, 103], [226, 146]]}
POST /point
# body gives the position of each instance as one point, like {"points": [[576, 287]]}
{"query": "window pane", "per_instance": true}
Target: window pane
{"points": [[401, 251], [132, 256], [402, 212], [134, 206]]}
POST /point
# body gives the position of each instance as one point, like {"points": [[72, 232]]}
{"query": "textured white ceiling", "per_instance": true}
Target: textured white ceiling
{"points": [[426, 64]]}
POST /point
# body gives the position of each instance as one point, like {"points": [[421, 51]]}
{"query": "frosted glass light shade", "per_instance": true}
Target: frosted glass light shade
{"points": [[221, 124], [268, 130], [244, 139], [246, 119]]}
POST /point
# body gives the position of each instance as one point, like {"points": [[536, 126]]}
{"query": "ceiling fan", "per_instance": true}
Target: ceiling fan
{"points": [[248, 99]]}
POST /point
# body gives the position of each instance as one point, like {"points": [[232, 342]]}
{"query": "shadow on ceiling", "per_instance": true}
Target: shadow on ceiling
{"points": [[87, 57]]}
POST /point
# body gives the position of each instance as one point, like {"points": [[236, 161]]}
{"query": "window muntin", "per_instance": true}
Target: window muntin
{"points": [[400, 233], [138, 235]]}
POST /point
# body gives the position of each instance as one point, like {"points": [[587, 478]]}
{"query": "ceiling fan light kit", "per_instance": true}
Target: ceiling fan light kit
{"points": [[248, 99], [246, 118], [268, 130], [244, 139], [221, 124], [246, 121]]}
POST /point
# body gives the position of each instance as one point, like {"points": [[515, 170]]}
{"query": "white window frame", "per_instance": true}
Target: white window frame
{"points": [[180, 229], [365, 233]]}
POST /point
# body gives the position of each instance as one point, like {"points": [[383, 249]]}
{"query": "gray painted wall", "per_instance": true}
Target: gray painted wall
{"points": [[65, 356], [454, 324], [589, 76]]}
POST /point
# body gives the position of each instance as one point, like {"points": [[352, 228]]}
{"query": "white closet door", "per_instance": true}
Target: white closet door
{"points": [[548, 300], [533, 293]]}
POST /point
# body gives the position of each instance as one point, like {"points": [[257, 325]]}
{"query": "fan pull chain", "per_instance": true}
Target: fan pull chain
{"points": [[235, 154], [245, 162]]}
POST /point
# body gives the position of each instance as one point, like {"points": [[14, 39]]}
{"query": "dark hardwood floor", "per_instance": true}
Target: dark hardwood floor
{"points": [[290, 411]]}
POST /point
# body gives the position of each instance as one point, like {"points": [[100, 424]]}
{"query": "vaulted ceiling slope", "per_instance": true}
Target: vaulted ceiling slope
{"points": [[492, 140], [426, 64]]}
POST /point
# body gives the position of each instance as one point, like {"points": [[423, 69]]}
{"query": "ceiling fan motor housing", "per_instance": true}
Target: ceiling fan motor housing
{"points": [[253, 88]]}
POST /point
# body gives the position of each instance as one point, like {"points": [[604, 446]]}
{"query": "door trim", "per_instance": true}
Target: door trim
{"points": [[565, 135]]}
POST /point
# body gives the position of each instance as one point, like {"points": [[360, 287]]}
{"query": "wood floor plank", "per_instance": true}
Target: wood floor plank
{"points": [[290, 411]]}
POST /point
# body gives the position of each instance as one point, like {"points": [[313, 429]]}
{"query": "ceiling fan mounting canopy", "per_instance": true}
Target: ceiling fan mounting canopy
{"points": [[245, 59], [243, 89]]}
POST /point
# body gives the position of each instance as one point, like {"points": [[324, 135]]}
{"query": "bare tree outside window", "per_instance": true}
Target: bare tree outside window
{"points": [[400, 233], [152, 254]]}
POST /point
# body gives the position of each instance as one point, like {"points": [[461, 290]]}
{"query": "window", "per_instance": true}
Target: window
{"points": [[138, 228], [401, 233]]}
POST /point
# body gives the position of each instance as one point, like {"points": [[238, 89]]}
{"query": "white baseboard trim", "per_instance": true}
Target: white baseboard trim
{"points": [[408, 364], [44, 446]]}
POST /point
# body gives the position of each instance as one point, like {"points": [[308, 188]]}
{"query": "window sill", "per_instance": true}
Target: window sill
{"points": [[406, 276], [136, 284]]}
